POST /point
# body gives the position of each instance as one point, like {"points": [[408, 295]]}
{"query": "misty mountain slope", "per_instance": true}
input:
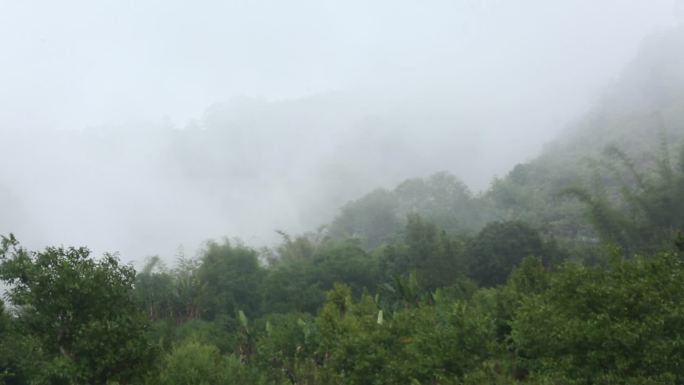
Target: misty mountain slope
{"points": [[647, 102], [379, 216], [637, 114], [246, 168], [96, 149]]}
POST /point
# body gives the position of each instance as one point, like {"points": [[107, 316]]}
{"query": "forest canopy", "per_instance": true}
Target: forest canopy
{"points": [[569, 269]]}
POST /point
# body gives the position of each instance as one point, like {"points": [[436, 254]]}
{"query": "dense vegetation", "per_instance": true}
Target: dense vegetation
{"points": [[569, 270], [430, 305]]}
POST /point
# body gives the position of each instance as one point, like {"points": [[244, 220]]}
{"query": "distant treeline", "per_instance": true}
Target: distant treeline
{"points": [[425, 284], [567, 271]]}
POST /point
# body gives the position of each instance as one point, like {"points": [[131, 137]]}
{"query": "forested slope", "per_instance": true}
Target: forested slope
{"points": [[635, 128], [569, 270]]}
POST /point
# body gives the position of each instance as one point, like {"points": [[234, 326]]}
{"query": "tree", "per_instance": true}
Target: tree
{"points": [[154, 290], [635, 210], [231, 278], [427, 250], [76, 314], [298, 283], [596, 325], [196, 363], [498, 248], [441, 198], [10, 373], [372, 218]]}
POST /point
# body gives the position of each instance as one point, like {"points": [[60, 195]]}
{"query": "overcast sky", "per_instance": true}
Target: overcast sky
{"points": [[506, 75], [72, 64]]}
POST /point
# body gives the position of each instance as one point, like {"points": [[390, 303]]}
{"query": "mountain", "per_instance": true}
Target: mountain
{"points": [[640, 117]]}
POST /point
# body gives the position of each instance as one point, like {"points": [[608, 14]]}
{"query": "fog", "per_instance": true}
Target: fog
{"points": [[145, 126]]}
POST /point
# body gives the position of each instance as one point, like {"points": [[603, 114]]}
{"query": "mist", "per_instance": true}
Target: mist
{"points": [[144, 127]]}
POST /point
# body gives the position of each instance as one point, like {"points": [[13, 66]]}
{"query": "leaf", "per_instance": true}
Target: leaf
{"points": [[243, 319]]}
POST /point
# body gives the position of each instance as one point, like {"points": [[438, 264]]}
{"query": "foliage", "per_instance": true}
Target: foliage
{"points": [[231, 277], [288, 348], [77, 314], [373, 219], [596, 325], [436, 257], [10, 372], [195, 363], [442, 199], [648, 214], [299, 282], [415, 285], [154, 289], [498, 248]]}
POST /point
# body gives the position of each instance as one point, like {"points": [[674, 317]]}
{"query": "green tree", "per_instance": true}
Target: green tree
{"points": [[196, 363], [10, 370], [498, 248], [298, 283], [448, 340], [441, 199], [607, 325], [231, 277], [435, 257], [154, 290], [356, 346], [633, 207], [373, 219], [288, 348], [425, 344], [76, 314], [377, 217]]}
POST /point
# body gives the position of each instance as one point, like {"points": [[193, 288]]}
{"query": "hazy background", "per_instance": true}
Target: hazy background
{"points": [[139, 126]]}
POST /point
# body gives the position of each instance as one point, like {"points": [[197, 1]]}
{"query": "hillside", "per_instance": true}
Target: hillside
{"points": [[641, 114]]}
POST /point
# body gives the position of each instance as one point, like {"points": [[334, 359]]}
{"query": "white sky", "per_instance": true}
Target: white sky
{"points": [[72, 64]]}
